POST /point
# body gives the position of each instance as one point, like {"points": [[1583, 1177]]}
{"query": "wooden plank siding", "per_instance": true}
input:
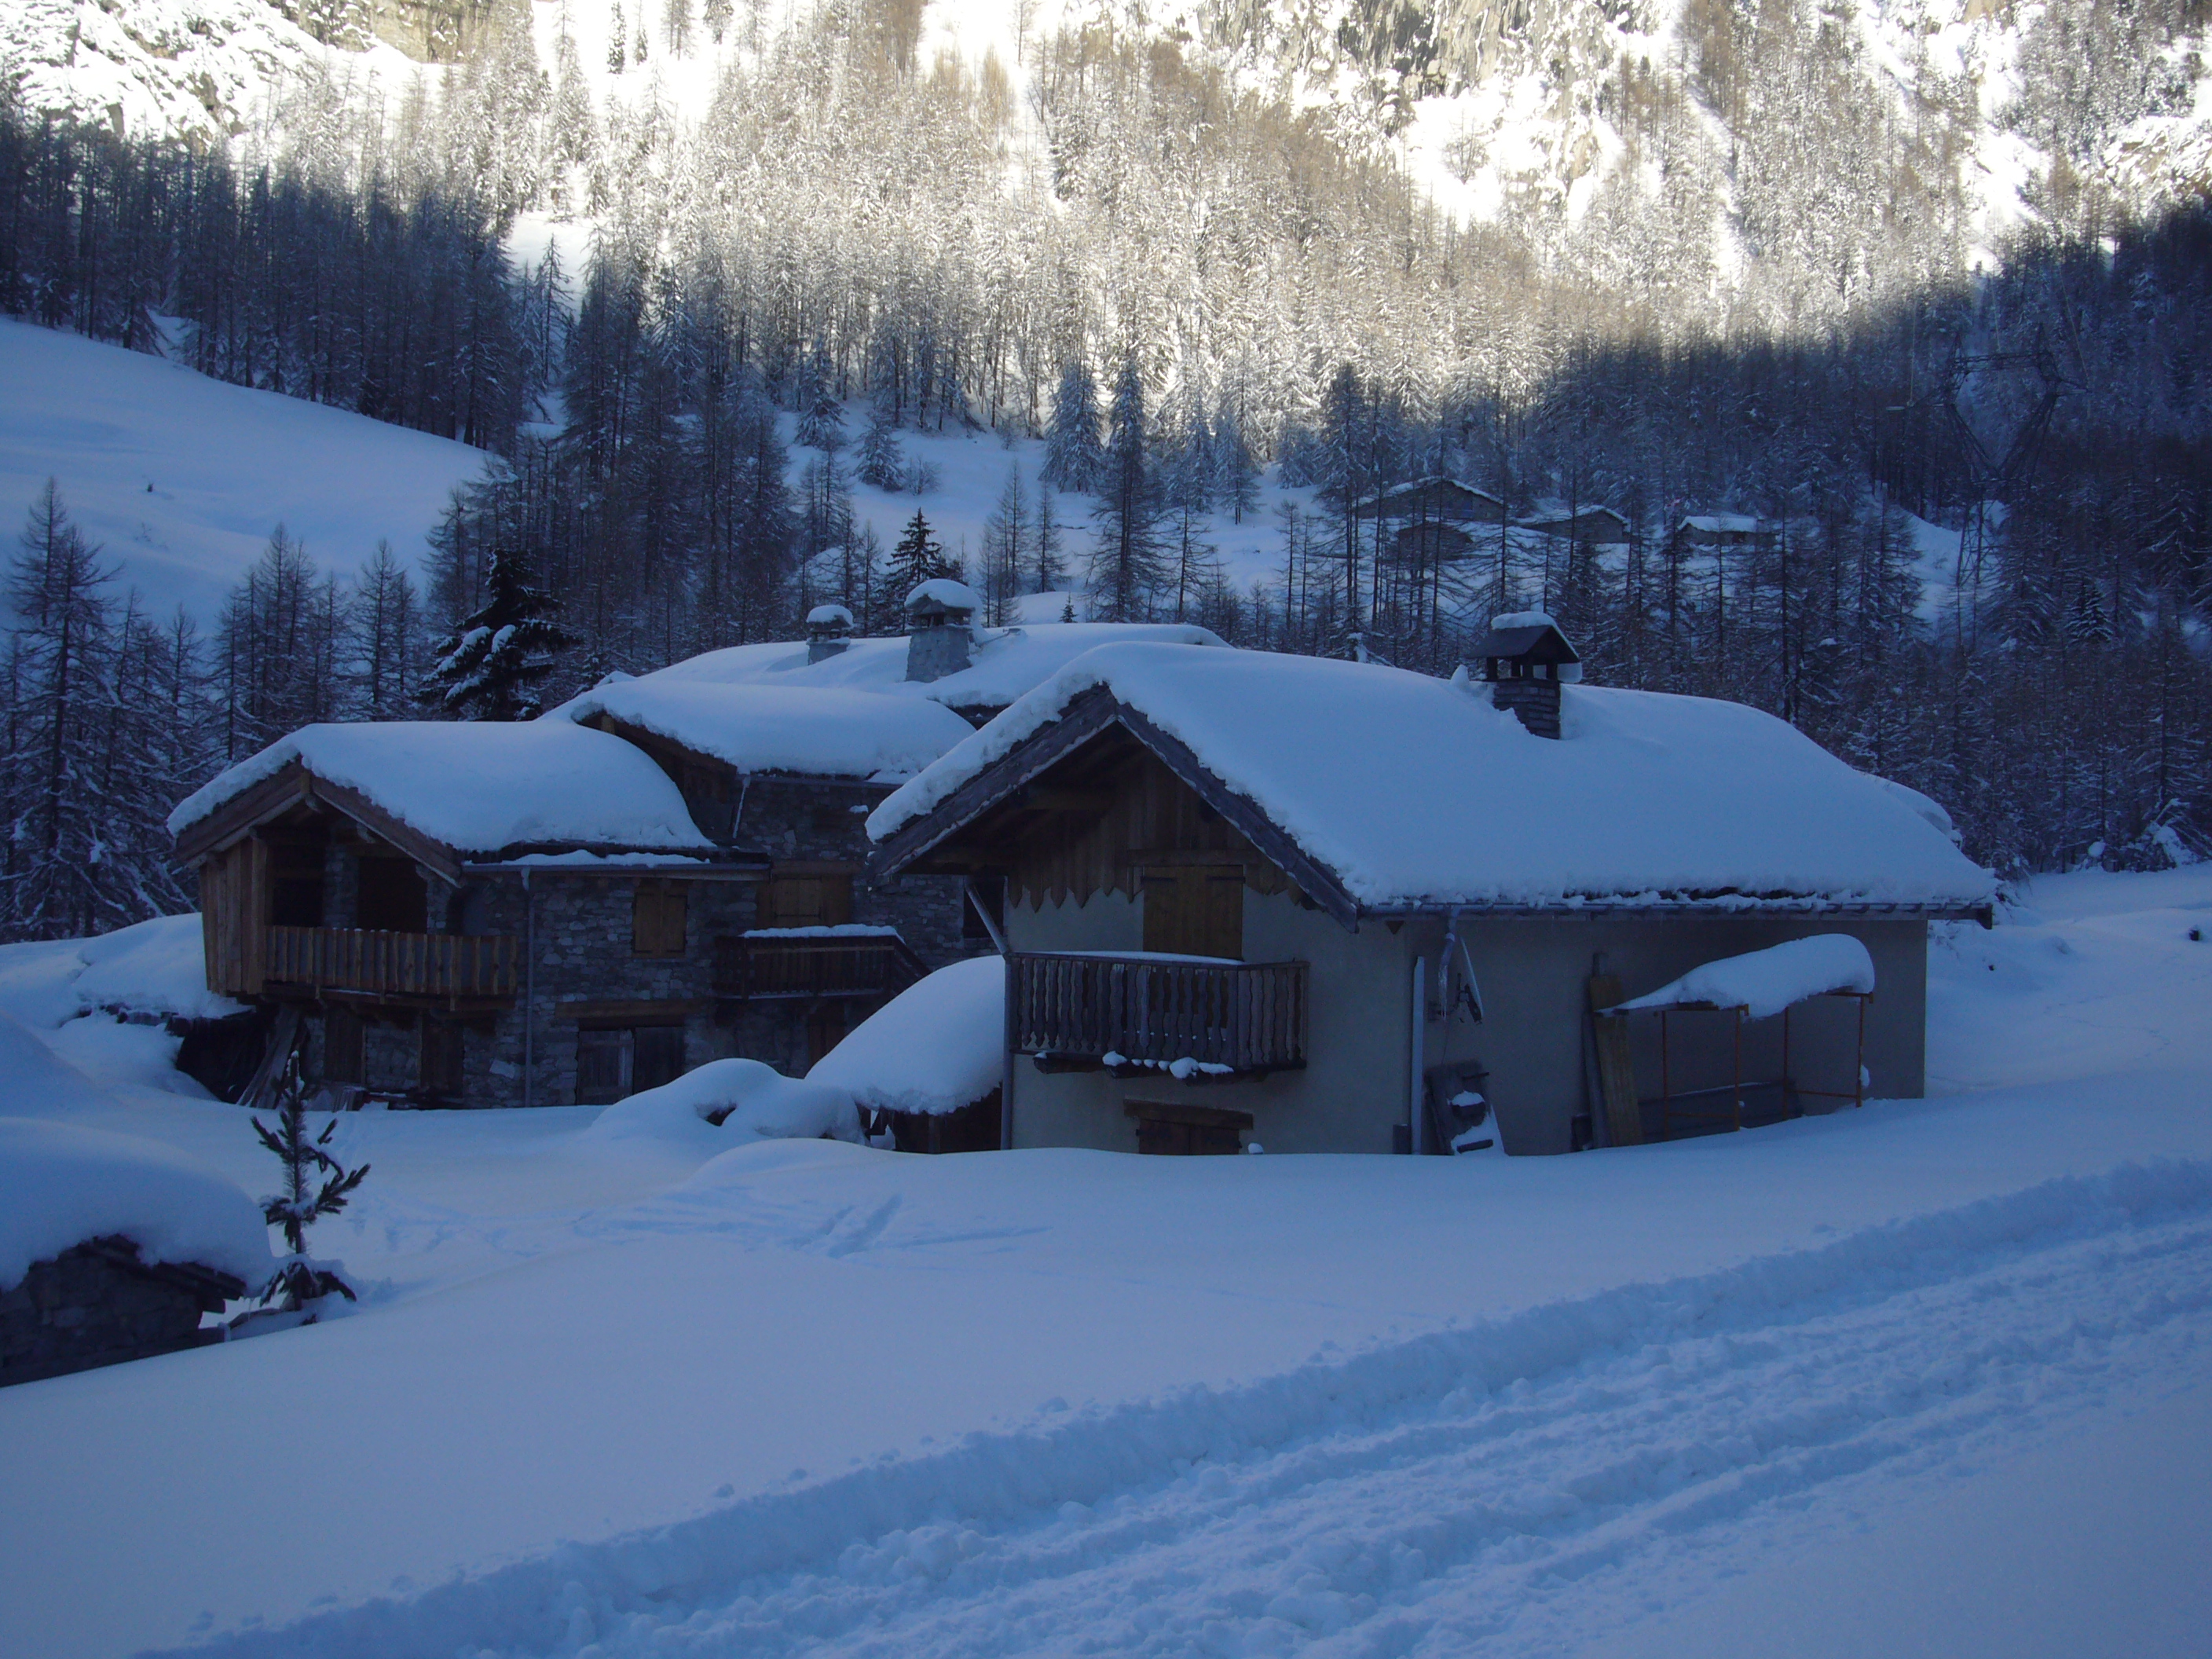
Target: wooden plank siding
{"points": [[1249, 1016], [381, 963], [1136, 816], [233, 915]]}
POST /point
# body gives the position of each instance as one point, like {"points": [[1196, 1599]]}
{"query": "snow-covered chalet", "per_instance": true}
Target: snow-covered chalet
{"points": [[667, 870], [1330, 906]]}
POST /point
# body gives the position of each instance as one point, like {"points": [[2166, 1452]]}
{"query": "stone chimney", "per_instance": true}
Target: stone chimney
{"points": [[829, 631], [1525, 660], [940, 635]]}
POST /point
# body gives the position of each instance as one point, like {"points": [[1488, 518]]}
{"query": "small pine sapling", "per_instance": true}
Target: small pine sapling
{"points": [[299, 1279]]}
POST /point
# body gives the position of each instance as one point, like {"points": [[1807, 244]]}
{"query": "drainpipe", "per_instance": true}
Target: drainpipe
{"points": [[529, 985], [1416, 1120]]}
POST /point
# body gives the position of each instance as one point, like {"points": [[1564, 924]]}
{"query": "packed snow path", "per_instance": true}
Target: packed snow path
{"points": [[1523, 1488]]}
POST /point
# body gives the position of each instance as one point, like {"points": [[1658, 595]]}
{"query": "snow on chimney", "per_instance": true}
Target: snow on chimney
{"points": [[1525, 659], [940, 635], [829, 631]]}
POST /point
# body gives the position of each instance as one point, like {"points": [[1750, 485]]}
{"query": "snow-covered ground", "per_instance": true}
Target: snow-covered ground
{"points": [[1930, 1378], [182, 477]]}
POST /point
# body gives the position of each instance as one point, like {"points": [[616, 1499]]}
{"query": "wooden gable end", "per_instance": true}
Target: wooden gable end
{"points": [[1110, 817]]}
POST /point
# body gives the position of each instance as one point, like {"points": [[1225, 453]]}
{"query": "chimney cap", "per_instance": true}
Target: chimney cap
{"points": [[831, 619], [942, 598], [1526, 640]]}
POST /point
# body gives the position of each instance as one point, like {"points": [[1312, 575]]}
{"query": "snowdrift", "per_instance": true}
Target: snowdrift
{"points": [[724, 1103], [936, 1047]]}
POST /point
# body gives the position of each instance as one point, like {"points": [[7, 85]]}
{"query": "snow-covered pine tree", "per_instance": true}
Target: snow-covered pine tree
{"points": [[489, 667], [1073, 459], [1236, 476], [821, 416], [715, 14], [617, 41], [315, 1185], [1128, 563], [881, 463]]}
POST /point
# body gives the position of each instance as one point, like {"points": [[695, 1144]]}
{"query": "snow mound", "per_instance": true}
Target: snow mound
{"points": [[812, 731], [725, 1102], [35, 1081], [61, 1185], [1765, 982], [1512, 619], [1417, 792], [825, 616], [531, 782], [936, 1047]]}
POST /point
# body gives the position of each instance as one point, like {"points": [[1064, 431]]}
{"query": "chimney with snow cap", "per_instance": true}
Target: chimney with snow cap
{"points": [[941, 615], [1526, 658], [829, 631]]}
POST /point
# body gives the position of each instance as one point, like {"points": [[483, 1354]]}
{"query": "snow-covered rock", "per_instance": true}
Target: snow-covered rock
{"points": [[61, 1184], [936, 1047]]}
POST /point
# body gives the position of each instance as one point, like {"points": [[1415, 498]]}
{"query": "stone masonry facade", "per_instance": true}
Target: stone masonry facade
{"points": [[96, 1305]]}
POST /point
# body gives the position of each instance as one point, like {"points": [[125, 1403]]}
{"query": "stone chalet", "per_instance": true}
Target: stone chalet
{"points": [[665, 870]]}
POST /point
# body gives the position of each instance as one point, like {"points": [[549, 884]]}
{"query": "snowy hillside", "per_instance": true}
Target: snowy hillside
{"points": [[183, 477], [1934, 1368]]}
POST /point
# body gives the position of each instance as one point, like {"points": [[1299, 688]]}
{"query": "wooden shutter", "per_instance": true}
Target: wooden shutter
{"points": [[656, 1056], [658, 920], [815, 899]]}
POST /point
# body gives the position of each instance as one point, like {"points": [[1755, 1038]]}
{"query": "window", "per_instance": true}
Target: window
{"points": [[656, 920], [805, 898], [295, 881], [615, 1061], [394, 896], [1195, 910]]}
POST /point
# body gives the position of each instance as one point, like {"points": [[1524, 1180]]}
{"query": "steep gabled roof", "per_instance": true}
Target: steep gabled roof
{"points": [[1378, 789], [455, 789]]}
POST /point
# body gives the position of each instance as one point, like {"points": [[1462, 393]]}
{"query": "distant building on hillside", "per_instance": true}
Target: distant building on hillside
{"points": [[667, 870], [1594, 525]]}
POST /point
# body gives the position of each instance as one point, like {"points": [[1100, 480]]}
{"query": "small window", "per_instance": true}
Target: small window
{"points": [[656, 920]]}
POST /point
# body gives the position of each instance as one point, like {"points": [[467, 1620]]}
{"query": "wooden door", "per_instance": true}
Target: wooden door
{"points": [[1195, 910]]}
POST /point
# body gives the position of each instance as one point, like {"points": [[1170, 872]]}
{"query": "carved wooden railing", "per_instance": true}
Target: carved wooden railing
{"points": [[378, 963], [1244, 1016], [772, 963]]}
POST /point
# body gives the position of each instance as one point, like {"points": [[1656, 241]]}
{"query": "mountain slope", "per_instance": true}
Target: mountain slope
{"points": [[183, 477]]}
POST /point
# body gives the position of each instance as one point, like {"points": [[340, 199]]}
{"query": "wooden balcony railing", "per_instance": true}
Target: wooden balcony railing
{"points": [[778, 962], [1245, 1016], [382, 963]]}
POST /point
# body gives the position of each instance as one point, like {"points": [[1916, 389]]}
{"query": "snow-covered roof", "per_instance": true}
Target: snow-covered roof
{"points": [[1004, 663], [936, 1047], [481, 786], [61, 1184], [1764, 982], [830, 732], [944, 591], [1723, 524], [1412, 792]]}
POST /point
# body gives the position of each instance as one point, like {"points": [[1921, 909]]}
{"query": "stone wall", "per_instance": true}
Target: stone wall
{"points": [[583, 971], [98, 1305]]}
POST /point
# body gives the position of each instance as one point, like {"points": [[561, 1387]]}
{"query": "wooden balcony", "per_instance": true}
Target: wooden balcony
{"points": [[776, 964], [1137, 1013], [446, 968]]}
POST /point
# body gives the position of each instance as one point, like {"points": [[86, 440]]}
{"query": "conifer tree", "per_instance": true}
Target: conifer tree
{"points": [[1073, 460], [821, 416], [1005, 533], [1050, 571], [490, 667], [881, 463], [315, 1185], [917, 559], [1126, 564]]}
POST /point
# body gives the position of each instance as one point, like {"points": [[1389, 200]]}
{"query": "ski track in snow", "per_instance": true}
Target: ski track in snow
{"points": [[1516, 1488]]}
